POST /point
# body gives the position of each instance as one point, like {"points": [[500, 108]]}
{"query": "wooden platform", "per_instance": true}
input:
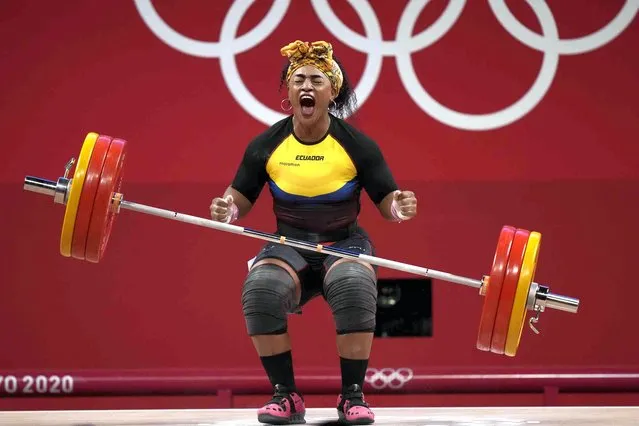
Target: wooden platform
{"points": [[524, 416]]}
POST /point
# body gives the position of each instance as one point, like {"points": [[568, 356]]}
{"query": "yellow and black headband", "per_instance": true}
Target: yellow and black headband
{"points": [[318, 54]]}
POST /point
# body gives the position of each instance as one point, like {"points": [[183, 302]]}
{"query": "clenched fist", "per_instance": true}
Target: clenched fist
{"points": [[223, 209], [404, 205]]}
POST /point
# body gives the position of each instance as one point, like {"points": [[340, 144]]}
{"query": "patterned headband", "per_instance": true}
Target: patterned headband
{"points": [[318, 54]]}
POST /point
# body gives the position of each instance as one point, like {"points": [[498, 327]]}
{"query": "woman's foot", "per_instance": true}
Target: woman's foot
{"points": [[286, 408], [352, 409]]}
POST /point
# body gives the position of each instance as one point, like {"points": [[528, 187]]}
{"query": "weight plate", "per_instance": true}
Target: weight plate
{"points": [[75, 190], [526, 277], [103, 214], [508, 290], [496, 278], [89, 189]]}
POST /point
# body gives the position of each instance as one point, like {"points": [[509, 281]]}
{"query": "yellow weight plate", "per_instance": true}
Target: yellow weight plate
{"points": [[526, 277], [75, 189]]}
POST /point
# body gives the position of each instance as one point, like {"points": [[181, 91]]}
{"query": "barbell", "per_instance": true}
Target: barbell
{"points": [[92, 196]]}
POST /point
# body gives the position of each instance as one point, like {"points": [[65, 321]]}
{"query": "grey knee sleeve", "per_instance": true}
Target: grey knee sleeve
{"points": [[350, 289], [268, 295]]}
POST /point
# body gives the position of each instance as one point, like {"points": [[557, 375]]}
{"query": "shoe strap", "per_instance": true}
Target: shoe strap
{"points": [[355, 396], [280, 394], [355, 402]]}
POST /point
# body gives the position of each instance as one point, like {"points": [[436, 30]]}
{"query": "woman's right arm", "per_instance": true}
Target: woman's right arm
{"points": [[241, 194]]}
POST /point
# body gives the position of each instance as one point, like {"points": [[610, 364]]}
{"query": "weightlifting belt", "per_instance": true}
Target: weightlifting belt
{"points": [[316, 237]]}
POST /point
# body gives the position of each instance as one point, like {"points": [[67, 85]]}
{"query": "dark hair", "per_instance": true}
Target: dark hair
{"points": [[345, 102]]}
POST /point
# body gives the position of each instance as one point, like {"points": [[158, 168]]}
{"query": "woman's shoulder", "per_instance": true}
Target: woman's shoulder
{"points": [[275, 133], [348, 134]]}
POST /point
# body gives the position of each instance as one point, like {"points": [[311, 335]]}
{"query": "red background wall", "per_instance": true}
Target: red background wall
{"points": [[167, 294]]}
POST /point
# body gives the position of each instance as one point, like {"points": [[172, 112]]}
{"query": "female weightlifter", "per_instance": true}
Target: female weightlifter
{"points": [[315, 164]]}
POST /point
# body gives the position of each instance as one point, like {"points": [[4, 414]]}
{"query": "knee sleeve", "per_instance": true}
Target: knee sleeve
{"points": [[350, 289], [268, 295]]}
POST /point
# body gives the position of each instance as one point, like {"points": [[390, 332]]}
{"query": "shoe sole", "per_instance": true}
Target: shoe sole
{"points": [[295, 419], [362, 421]]}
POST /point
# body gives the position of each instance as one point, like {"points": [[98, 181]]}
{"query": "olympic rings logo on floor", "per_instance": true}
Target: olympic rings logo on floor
{"points": [[388, 377], [404, 45]]}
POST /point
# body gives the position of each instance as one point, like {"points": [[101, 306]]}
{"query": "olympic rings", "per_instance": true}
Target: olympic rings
{"points": [[404, 45], [388, 377]]}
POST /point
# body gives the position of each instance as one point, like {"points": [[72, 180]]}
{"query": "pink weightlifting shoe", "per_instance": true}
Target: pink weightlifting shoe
{"points": [[286, 408], [352, 409]]}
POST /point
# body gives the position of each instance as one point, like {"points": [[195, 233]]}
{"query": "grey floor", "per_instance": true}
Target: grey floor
{"points": [[543, 416]]}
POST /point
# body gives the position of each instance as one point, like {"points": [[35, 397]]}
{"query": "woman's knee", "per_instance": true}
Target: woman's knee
{"points": [[340, 261], [269, 294], [350, 289]]}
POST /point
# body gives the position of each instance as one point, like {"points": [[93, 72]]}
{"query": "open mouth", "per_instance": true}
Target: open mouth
{"points": [[307, 102]]}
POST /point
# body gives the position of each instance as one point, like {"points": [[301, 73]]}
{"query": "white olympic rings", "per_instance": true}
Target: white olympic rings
{"points": [[388, 377], [404, 45]]}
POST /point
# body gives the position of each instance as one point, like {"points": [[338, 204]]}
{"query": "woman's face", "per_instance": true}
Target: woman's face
{"points": [[310, 93]]}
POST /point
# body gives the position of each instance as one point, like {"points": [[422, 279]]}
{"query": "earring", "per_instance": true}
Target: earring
{"points": [[289, 105], [334, 104]]}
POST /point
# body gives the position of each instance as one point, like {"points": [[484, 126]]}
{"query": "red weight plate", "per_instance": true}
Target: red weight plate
{"points": [[87, 197], [491, 301], [508, 290], [103, 215]]}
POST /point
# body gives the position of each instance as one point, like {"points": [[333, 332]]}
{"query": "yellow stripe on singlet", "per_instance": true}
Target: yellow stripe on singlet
{"points": [[310, 170]]}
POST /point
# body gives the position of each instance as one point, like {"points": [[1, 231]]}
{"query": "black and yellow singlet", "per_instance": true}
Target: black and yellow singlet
{"points": [[315, 186]]}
